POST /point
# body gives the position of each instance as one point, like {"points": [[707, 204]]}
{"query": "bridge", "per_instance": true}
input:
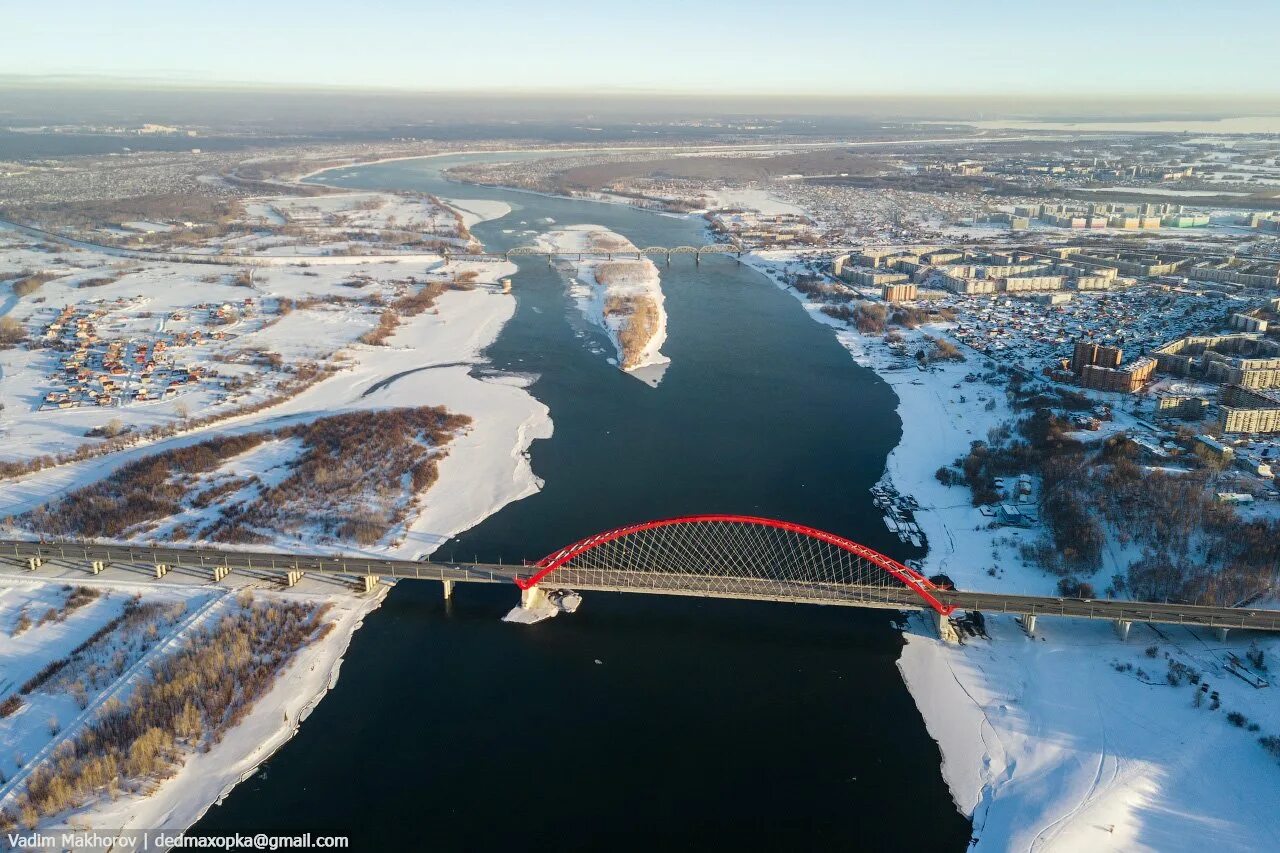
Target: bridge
{"points": [[713, 556], [668, 252], [696, 252]]}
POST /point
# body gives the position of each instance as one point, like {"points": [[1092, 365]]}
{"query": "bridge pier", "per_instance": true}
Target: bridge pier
{"points": [[97, 566], [946, 631], [1028, 624], [448, 589], [220, 572], [370, 583], [532, 597], [1122, 628], [1222, 635], [161, 570], [34, 563], [293, 577]]}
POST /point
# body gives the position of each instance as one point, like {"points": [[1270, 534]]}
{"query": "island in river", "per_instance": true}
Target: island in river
{"points": [[622, 296]]}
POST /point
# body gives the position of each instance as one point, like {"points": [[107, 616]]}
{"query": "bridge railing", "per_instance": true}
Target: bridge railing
{"points": [[616, 579]]}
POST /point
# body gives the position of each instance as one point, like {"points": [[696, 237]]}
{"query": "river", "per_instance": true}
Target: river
{"points": [[638, 722]]}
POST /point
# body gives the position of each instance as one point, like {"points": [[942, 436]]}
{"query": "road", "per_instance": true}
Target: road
{"points": [[18, 554]]}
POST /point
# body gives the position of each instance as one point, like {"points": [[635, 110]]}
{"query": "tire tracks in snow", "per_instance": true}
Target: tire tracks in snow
{"points": [[1096, 787]]}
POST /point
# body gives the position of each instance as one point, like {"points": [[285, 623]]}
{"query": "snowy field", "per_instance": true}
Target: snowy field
{"points": [[340, 224], [426, 361], [760, 200], [56, 712], [1051, 743]]}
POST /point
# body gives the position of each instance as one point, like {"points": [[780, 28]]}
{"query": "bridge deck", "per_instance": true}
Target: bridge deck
{"points": [[653, 583]]}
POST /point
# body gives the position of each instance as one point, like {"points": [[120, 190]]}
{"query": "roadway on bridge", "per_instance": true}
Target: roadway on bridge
{"points": [[654, 583]]}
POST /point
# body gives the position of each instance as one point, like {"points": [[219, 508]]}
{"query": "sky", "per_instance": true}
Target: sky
{"points": [[802, 47]]}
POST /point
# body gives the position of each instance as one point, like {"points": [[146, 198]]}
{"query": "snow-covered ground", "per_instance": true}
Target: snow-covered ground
{"points": [[760, 200], [475, 210], [1046, 742], [599, 285], [427, 361], [205, 777]]}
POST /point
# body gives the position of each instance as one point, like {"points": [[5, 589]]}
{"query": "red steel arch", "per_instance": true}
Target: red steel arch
{"points": [[762, 553]]}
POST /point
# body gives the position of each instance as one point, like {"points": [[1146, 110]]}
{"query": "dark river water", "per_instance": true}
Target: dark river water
{"points": [[640, 722]]}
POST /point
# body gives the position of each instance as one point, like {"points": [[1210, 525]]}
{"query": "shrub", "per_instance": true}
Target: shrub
{"points": [[12, 332], [1072, 588], [190, 699], [639, 325]]}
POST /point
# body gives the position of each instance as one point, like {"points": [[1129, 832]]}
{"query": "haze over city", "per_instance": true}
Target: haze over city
{"points": [[813, 47]]}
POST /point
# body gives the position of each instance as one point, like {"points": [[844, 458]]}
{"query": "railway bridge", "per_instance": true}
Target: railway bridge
{"points": [[713, 556], [667, 252]]}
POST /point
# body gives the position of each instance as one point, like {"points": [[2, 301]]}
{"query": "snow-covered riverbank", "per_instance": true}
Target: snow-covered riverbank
{"points": [[428, 360], [1071, 740], [623, 297], [204, 777]]}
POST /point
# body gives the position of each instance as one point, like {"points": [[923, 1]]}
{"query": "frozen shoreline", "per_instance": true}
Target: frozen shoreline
{"points": [[1043, 743], [641, 286], [205, 778], [486, 467]]}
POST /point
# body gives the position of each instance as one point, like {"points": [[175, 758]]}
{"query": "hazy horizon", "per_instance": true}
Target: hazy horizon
{"points": [[86, 98], [811, 48]]}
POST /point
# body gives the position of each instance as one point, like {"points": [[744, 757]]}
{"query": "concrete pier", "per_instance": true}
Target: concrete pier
{"points": [[220, 572], [532, 597], [1028, 624], [1122, 628], [370, 583], [946, 631], [34, 563], [448, 589], [292, 578], [161, 570], [1222, 635], [97, 566]]}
